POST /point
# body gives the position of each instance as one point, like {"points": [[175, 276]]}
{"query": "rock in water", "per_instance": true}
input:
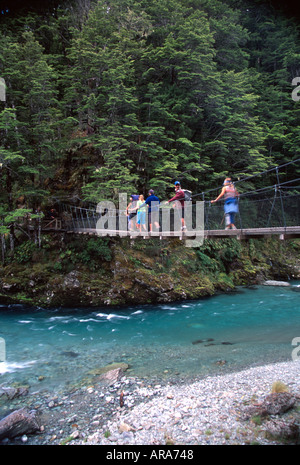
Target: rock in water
{"points": [[221, 363], [111, 376], [112, 366], [12, 392], [199, 341], [69, 353], [276, 283], [110, 373]]}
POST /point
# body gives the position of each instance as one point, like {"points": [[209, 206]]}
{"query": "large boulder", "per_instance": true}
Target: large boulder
{"points": [[278, 403], [18, 423]]}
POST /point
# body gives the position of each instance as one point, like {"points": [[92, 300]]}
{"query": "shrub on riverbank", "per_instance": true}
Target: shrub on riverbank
{"points": [[87, 271]]}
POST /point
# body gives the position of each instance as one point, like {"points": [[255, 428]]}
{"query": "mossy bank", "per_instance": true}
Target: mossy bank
{"points": [[69, 271]]}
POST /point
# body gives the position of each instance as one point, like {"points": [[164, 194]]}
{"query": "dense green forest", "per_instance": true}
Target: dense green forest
{"points": [[117, 96]]}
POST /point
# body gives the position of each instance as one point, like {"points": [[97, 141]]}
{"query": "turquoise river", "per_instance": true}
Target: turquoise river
{"points": [[57, 348]]}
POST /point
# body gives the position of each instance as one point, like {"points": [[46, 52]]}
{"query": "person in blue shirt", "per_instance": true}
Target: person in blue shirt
{"points": [[153, 209]]}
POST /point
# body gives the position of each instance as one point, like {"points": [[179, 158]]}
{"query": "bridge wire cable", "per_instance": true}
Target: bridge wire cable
{"points": [[252, 176]]}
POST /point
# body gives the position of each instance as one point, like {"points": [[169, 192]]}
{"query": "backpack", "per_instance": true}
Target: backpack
{"points": [[187, 195]]}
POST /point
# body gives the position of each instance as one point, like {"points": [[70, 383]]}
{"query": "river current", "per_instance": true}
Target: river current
{"points": [[55, 349]]}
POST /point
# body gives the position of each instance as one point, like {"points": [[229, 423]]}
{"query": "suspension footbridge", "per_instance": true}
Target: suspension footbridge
{"points": [[269, 210]]}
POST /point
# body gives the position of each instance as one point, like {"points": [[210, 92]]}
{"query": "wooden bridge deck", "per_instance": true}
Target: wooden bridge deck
{"points": [[283, 233]]}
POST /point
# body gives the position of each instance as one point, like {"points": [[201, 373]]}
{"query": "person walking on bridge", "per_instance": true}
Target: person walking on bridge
{"points": [[152, 202], [231, 207], [179, 203], [141, 214]]}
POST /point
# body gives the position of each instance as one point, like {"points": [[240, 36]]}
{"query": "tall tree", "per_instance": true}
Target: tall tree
{"points": [[30, 114], [274, 54], [102, 96]]}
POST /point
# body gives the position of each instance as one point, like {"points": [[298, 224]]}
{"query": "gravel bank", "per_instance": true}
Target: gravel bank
{"points": [[208, 411]]}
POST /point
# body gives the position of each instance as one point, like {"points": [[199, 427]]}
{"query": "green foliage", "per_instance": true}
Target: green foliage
{"points": [[295, 244], [217, 255], [16, 215], [103, 100], [211, 247], [231, 251], [28, 121], [91, 253], [207, 262], [24, 252], [257, 420]]}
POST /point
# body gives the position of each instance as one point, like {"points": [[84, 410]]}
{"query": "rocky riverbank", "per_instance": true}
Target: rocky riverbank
{"points": [[236, 408], [233, 408], [129, 410], [72, 271]]}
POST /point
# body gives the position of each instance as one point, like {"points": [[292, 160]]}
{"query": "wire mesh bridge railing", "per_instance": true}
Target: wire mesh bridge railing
{"points": [[277, 212], [273, 209]]}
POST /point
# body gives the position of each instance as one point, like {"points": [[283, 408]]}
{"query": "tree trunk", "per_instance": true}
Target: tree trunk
{"points": [[12, 238], [17, 423], [10, 208], [3, 247]]}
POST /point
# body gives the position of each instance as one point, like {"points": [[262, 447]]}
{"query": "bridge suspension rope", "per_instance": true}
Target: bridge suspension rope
{"points": [[269, 206]]}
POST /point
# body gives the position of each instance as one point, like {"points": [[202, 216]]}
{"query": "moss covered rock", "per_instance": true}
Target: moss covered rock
{"points": [[69, 272]]}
